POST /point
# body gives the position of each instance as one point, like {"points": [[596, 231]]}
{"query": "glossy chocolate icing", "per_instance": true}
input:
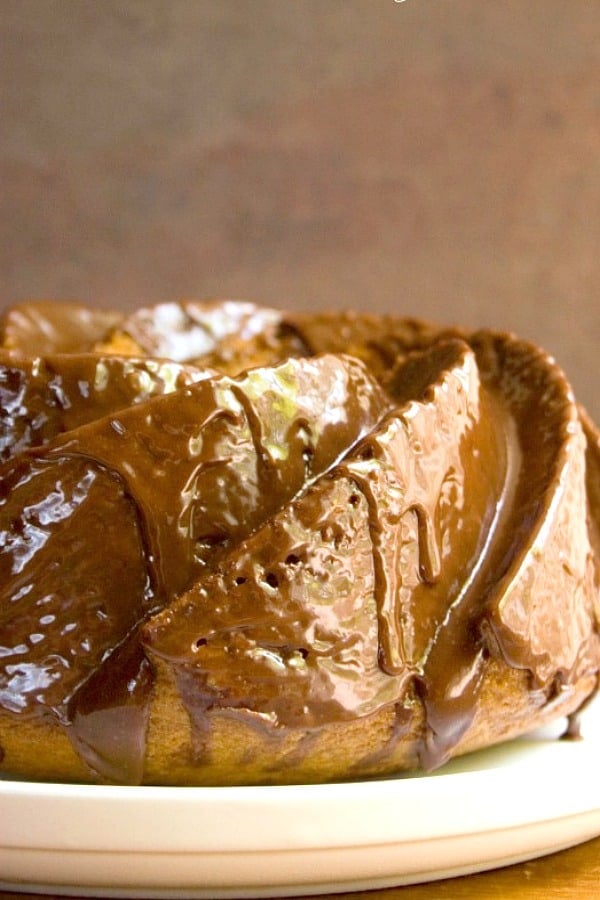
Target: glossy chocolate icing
{"points": [[49, 326], [42, 397], [357, 515]]}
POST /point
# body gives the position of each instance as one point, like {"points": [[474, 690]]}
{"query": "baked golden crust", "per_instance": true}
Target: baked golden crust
{"points": [[238, 753]]}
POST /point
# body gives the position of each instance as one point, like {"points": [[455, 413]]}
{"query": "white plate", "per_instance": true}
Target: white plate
{"points": [[508, 804]]}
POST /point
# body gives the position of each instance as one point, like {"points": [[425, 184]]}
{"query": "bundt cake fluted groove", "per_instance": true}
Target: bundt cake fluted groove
{"points": [[240, 545]]}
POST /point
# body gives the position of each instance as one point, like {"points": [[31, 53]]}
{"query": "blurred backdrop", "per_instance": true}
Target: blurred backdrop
{"points": [[438, 158]]}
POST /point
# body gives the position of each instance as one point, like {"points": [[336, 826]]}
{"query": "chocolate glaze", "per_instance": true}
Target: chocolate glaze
{"points": [[359, 574], [71, 588], [48, 326], [109, 715], [42, 397], [300, 543], [198, 468], [206, 464]]}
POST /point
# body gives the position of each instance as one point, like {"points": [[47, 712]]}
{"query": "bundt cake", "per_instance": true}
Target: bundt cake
{"points": [[245, 546]]}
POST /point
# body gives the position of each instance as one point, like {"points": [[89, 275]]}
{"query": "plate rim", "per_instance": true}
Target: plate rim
{"points": [[431, 806]]}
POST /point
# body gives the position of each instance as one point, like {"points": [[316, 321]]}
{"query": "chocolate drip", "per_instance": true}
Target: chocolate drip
{"points": [[108, 717], [387, 583], [278, 593]]}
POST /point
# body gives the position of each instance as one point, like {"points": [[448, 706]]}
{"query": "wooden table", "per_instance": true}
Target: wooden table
{"points": [[573, 873]]}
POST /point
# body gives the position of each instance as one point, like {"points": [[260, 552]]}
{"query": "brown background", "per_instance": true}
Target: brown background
{"points": [[433, 157]]}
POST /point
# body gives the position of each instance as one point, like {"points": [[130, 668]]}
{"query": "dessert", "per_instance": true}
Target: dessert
{"points": [[240, 545]]}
